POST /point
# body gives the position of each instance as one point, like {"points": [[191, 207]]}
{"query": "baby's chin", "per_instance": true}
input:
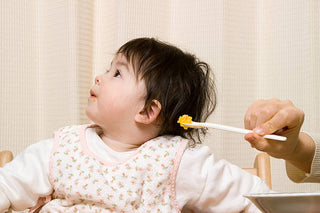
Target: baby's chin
{"points": [[89, 113]]}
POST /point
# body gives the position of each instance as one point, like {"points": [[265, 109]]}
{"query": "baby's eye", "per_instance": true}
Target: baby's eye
{"points": [[117, 74]]}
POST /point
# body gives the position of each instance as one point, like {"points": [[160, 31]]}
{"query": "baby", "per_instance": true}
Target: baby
{"points": [[135, 157]]}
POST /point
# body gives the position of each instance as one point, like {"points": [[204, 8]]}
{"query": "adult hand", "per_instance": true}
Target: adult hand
{"points": [[282, 118]]}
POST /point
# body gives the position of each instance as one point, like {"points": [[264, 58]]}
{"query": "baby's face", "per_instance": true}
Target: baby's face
{"points": [[116, 97]]}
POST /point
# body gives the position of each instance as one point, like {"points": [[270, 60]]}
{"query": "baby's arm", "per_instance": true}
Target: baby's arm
{"points": [[209, 186], [25, 179]]}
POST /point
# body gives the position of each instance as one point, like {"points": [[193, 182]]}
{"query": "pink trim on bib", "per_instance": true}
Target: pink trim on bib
{"points": [[55, 145], [173, 174]]}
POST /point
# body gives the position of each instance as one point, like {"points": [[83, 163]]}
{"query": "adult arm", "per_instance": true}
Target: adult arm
{"points": [[299, 175], [283, 118]]}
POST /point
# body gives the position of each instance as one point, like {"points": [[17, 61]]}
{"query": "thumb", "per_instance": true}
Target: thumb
{"points": [[290, 118], [265, 129]]}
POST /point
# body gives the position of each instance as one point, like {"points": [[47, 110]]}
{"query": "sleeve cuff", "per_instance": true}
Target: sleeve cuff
{"points": [[299, 176]]}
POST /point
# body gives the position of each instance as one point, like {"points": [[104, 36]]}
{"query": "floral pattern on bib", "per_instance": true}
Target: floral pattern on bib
{"points": [[145, 182]]}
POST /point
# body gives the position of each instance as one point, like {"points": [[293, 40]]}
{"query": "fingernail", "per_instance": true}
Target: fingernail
{"points": [[250, 138], [259, 131]]}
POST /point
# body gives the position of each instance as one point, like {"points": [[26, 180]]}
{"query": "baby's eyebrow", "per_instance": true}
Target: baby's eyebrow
{"points": [[120, 63]]}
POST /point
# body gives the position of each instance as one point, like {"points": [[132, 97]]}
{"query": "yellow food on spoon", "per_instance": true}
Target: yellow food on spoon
{"points": [[185, 119]]}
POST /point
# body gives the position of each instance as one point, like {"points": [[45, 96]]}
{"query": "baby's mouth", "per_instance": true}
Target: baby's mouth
{"points": [[92, 93], [93, 96]]}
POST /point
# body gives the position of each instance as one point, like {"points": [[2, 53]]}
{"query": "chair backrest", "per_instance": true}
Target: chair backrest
{"points": [[5, 157], [262, 168]]}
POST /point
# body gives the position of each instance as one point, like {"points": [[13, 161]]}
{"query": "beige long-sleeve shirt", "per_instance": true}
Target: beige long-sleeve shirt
{"points": [[300, 176]]}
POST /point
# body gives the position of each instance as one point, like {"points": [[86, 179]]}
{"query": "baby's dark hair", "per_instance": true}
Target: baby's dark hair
{"points": [[179, 81]]}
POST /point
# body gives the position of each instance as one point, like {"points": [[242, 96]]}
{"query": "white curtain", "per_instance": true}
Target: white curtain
{"points": [[51, 50]]}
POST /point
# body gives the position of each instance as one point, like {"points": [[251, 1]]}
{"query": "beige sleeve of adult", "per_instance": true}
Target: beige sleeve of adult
{"points": [[299, 176]]}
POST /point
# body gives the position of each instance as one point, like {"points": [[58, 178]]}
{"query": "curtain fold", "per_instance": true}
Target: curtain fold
{"points": [[51, 51]]}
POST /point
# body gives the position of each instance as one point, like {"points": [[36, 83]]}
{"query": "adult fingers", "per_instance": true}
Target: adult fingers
{"points": [[250, 117], [260, 111], [289, 117], [257, 141]]}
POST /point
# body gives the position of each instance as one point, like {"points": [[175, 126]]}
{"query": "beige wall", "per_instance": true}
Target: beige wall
{"points": [[46, 63], [50, 51]]}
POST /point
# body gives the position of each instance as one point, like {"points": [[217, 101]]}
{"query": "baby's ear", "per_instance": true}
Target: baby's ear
{"points": [[149, 114]]}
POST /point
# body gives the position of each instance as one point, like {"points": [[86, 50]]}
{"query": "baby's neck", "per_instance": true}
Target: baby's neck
{"points": [[119, 146], [127, 139]]}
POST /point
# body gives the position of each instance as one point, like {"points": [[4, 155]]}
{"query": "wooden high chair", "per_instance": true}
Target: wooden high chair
{"points": [[5, 157], [262, 168]]}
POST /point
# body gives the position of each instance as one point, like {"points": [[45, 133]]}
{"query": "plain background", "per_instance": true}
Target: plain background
{"points": [[51, 51]]}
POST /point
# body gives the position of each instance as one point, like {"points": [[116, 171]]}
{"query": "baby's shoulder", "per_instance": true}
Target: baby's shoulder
{"points": [[168, 140], [198, 148], [198, 153]]}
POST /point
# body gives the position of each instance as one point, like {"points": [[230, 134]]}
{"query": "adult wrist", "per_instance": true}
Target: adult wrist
{"points": [[304, 153]]}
